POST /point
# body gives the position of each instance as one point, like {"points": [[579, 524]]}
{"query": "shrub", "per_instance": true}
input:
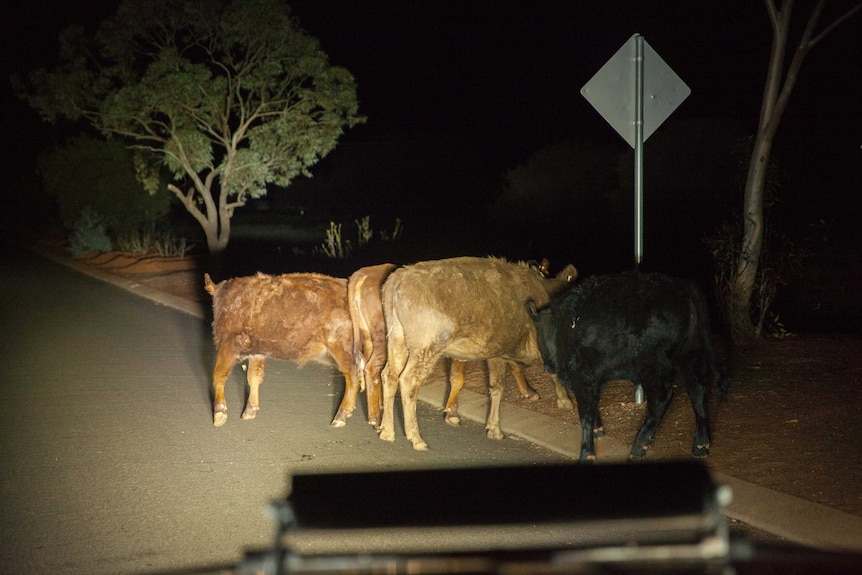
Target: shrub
{"points": [[88, 233], [151, 241], [337, 247]]}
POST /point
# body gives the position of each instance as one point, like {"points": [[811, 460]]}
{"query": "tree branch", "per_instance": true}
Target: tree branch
{"points": [[838, 21]]}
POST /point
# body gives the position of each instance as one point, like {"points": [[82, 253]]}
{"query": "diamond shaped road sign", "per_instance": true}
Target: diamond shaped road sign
{"points": [[612, 91]]}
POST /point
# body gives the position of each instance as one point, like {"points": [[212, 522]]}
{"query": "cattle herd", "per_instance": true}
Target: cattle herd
{"points": [[387, 326]]}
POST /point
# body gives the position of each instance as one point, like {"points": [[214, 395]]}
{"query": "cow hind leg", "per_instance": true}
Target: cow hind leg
{"points": [[390, 376], [373, 397], [588, 413], [373, 385], [563, 399], [496, 373], [389, 381], [598, 426], [418, 366], [456, 382], [695, 383], [256, 371], [344, 360], [524, 388], [659, 392], [348, 402], [224, 365]]}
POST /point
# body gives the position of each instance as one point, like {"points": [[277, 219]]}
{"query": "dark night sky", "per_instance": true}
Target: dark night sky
{"points": [[502, 78], [433, 62], [479, 64]]}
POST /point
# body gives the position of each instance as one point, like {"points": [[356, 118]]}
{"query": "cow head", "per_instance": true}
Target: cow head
{"points": [[544, 335], [562, 281]]}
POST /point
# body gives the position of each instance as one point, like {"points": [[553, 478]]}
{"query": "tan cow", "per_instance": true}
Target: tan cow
{"points": [[296, 317], [456, 375], [369, 350], [464, 308]]}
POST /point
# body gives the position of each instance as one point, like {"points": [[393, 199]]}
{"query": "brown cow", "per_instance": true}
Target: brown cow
{"points": [[296, 317], [464, 308]]}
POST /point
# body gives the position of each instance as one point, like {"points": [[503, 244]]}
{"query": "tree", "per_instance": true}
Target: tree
{"points": [[779, 85], [87, 173], [228, 95]]}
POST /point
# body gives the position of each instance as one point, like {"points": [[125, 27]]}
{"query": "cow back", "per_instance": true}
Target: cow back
{"points": [[289, 316], [606, 322], [467, 308]]}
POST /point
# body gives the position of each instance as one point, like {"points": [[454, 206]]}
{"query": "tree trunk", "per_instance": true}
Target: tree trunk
{"points": [[216, 242], [217, 233], [742, 326], [215, 221]]}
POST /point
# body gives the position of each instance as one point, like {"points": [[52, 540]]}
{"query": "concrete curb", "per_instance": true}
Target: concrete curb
{"points": [[792, 518]]}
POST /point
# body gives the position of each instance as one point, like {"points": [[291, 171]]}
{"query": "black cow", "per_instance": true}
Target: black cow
{"points": [[637, 327]]}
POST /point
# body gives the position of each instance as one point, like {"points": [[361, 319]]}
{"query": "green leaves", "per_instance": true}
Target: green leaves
{"points": [[188, 151]]}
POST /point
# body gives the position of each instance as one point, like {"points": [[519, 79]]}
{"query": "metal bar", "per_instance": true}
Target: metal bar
{"points": [[639, 142], [639, 168]]}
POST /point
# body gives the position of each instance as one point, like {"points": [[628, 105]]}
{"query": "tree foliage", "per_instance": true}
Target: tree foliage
{"points": [[229, 96]]}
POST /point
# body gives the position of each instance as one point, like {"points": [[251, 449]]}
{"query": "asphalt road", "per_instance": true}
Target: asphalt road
{"points": [[109, 462]]}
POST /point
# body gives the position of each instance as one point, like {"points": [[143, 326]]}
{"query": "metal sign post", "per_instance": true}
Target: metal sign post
{"points": [[639, 149]]}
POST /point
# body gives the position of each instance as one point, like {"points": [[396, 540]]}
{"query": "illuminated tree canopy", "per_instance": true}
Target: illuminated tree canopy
{"points": [[228, 96]]}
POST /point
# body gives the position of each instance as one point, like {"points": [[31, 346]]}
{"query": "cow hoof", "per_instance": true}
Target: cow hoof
{"points": [[533, 396], [340, 419], [589, 459], [565, 404], [452, 420], [599, 432], [700, 451], [420, 445], [219, 417], [387, 434], [638, 452], [495, 433], [249, 413]]}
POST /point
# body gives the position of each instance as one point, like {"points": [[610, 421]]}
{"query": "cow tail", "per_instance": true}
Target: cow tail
{"points": [[394, 329], [715, 363], [719, 373], [354, 289]]}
